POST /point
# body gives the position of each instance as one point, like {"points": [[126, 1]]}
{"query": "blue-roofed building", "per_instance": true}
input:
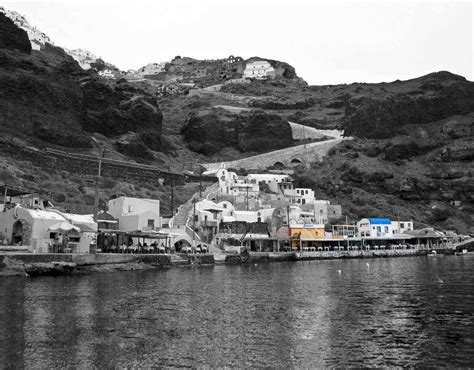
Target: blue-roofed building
{"points": [[375, 228]]}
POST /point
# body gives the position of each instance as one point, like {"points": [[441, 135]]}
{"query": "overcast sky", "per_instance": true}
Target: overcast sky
{"points": [[327, 42]]}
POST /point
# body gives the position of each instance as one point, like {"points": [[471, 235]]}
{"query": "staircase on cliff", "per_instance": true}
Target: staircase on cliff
{"points": [[184, 215]]}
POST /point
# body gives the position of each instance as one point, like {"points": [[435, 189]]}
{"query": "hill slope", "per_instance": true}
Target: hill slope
{"points": [[412, 152]]}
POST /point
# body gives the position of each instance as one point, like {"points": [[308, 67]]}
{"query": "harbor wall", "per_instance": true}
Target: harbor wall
{"points": [[47, 264]]}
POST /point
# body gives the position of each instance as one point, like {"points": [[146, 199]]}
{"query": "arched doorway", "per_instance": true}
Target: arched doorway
{"points": [[181, 245], [21, 232]]}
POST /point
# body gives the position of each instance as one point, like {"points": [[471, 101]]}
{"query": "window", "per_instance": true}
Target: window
{"points": [[306, 192], [225, 205], [303, 201], [151, 224], [402, 225], [386, 229], [205, 218], [196, 218], [379, 229]]}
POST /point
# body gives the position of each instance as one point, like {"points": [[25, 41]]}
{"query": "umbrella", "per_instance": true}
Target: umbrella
{"points": [[63, 226]]}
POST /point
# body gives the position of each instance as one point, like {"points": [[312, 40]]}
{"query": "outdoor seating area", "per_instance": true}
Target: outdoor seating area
{"points": [[138, 248]]}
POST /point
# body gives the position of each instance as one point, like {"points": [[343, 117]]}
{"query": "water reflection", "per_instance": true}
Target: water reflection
{"points": [[393, 312]]}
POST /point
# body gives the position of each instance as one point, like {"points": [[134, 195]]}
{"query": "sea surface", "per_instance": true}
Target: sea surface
{"points": [[413, 311]]}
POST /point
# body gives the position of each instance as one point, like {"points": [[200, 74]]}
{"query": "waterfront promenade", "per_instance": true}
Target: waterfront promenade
{"points": [[17, 263]]}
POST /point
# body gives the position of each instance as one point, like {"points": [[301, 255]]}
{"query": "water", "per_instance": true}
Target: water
{"points": [[395, 312]]}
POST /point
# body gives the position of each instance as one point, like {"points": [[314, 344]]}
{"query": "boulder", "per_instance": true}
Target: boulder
{"points": [[210, 131], [12, 37], [50, 268]]}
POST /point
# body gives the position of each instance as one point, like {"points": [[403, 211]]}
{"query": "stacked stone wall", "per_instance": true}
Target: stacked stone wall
{"points": [[56, 161]]}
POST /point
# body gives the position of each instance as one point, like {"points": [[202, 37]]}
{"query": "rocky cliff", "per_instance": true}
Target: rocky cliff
{"points": [[13, 38], [54, 102], [210, 131]]}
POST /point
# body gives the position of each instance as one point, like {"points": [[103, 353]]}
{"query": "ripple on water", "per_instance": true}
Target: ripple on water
{"points": [[394, 313]]}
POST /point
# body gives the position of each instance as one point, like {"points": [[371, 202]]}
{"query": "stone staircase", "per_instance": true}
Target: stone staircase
{"points": [[181, 218], [185, 210]]}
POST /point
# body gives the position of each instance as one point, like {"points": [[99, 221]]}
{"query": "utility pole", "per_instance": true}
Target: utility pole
{"points": [[5, 197], [398, 220], [288, 221], [172, 197], [97, 184], [347, 232], [200, 185], [194, 220], [247, 198]]}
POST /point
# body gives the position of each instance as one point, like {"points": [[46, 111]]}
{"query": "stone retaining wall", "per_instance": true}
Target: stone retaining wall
{"points": [[87, 166]]}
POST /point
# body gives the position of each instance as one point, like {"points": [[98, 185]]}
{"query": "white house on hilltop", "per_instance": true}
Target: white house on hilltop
{"points": [[107, 73], [259, 69]]}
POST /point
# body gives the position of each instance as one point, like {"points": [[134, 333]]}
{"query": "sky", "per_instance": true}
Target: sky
{"points": [[328, 42]]}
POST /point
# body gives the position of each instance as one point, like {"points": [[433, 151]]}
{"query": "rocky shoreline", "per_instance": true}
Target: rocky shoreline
{"points": [[24, 264]]}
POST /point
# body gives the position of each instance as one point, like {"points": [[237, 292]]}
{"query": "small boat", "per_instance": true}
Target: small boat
{"points": [[432, 254], [461, 253]]}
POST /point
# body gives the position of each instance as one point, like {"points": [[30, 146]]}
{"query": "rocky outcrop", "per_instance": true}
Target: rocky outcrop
{"points": [[13, 38], [46, 98], [50, 268], [115, 109], [204, 73], [210, 131], [435, 97], [37, 39], [11, 267]]}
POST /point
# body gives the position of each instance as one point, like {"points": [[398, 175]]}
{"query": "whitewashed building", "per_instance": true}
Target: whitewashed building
{"points": [[136, 214], [401, 227], [259, 69], [300, 196], [375, 228], [107, 73]]}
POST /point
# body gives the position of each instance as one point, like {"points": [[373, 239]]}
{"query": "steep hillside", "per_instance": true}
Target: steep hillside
{"points": [[412, 152], [13, 38], [425, 174]]}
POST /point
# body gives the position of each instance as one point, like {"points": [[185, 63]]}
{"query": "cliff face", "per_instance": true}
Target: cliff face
{"points": [[436, 97], [12, 37], [46, 98], [210, 131]]}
